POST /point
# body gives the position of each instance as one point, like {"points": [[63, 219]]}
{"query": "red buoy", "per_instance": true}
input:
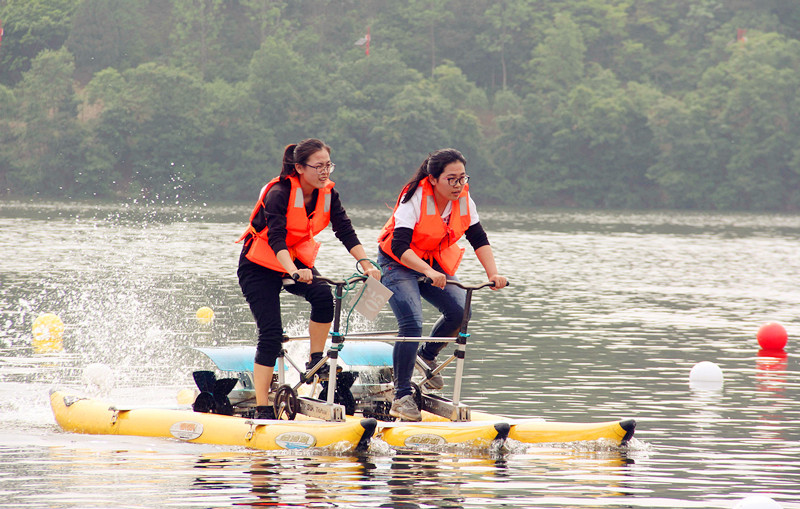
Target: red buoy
{"points": [[772, 336]]}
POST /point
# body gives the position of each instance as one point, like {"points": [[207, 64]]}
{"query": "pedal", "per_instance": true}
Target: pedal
{"points": [[242, 397], [308, 378], [445, 408]]}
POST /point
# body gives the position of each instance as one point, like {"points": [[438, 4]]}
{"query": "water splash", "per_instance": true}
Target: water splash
{"points": [[119, 282]]}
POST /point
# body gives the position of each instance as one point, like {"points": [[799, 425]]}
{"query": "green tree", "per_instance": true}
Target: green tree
{"points": [[731, 143], [558, 62], [585, 95], [755, 124], [196, 32], [507, 31], [8, 112], [268, 16], [413, 124], [363, 94], [152, 126], [238, 152], [602, 147], [417, 121], [520, 152], [166, 105], [285, 89], [430, 14], [30, 27], [106, 33], [109, 158], [416, 28], [454, 86], [47, 155], [587, 148], [687, 166], [505, 102], [602, 23]]}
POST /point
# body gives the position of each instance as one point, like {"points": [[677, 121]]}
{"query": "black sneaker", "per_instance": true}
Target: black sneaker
{"points": [[323, 372], [265, 412]]}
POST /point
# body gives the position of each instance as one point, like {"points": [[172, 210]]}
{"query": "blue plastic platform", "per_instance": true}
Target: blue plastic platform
{"points": [[355, 353]]}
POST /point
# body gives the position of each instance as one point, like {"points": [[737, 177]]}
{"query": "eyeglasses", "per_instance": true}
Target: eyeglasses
{"points": [[328, 167], [458, 181]]}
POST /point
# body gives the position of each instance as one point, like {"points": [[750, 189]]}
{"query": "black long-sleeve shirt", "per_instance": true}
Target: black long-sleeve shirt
{"points": [[401, 240], [273, 216]]}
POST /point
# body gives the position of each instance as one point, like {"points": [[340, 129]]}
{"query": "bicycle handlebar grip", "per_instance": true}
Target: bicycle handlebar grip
{"points": [[425, 279]]}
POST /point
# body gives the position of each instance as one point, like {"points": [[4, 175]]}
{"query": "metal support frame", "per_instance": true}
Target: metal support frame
{"points": [[330, 411]]}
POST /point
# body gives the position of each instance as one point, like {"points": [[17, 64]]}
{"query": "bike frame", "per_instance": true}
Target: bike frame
{"points": [[454, 409]]}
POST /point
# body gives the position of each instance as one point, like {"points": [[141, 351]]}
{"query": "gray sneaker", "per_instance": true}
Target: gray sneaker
{"points": [[437, 382], [405, 409]]}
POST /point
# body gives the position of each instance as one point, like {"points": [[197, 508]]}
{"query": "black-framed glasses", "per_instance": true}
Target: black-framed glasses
{"points": [[327, 167], [458, 181]]}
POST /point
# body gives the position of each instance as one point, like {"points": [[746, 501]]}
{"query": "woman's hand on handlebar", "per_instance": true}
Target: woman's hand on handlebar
{"points": [[455, 282], [373, 272], [499, 281], [303, 275], [437, 278]]}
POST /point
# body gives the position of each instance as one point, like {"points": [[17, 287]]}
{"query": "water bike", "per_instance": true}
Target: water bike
{"points": [[362, 388], [345, 410]]}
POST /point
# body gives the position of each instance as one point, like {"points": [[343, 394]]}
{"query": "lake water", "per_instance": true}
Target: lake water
{"points": [[606, 314]]}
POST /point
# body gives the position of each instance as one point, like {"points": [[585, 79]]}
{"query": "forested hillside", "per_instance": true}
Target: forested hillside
{"points": [[576, 103]]}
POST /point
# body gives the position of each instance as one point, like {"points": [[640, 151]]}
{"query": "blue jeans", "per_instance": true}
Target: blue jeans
{"points": [[407, 306]]}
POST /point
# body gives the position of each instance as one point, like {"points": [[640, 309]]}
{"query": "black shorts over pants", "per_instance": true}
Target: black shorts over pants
{"points": [[262, 289]]}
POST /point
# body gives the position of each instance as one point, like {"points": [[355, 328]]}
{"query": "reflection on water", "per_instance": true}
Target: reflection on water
{"points": [[407, 479], [606, 315]]}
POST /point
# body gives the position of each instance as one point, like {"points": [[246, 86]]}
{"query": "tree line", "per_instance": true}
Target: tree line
{"points": [[576, 103]]}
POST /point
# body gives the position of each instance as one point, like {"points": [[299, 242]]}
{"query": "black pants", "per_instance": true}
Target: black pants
{"points": [[262, 289]]}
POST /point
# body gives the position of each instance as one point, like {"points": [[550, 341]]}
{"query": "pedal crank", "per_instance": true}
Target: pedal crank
{"points": [[319, 409], [445, 408], [286, 402]]}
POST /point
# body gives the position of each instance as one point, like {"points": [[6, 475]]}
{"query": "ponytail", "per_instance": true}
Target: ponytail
{"points": [[413, 184], [287, 169]]}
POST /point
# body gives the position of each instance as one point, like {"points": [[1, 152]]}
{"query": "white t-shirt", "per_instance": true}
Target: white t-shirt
{"points": [[407, 214]]}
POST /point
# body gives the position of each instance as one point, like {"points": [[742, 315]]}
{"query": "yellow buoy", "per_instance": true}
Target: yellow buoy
{"points": [[48, 332], [205, 315]]}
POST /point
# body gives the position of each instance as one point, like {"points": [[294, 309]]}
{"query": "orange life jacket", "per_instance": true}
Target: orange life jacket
{"points": [[433, 239], [300, 228]]}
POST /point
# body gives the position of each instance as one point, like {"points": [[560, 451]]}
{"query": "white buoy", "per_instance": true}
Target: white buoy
{"points": [[757, 502], [706, 376], [98, 378], [706, 371]]}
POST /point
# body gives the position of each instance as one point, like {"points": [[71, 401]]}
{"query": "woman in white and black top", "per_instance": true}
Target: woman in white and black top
{"points": [[432, 212]]}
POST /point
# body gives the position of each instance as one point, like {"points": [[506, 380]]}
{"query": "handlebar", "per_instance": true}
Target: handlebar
{"points": [[422, 279], [485, 284], [336, 282]]}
